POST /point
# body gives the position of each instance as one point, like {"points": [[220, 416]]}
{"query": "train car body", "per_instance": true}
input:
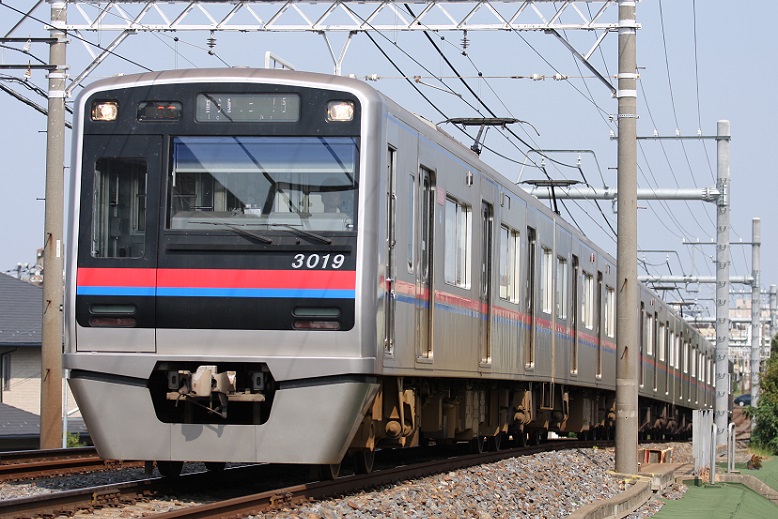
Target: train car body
{"points": [[220, 307]]}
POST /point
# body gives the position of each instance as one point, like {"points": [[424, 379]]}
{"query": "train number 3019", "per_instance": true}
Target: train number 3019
{"points": [[318, 261]]}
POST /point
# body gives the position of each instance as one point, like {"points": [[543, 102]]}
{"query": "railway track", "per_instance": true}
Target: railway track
{"points": [[54, 462], [284, 497], [250, 501]]}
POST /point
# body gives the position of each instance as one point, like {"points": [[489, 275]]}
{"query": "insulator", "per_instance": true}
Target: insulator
{"points": [[465, 41], [211, 41]]}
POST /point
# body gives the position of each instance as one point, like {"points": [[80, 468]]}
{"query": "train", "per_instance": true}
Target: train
{"points": [[289, 267]]}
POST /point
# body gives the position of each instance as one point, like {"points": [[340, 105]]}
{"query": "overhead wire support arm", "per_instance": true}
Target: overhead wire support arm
{"points": [[705, 194], [127, 17], [585, 59], [361, 15]]}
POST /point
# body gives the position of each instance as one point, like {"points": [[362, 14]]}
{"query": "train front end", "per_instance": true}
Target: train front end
{"points": [[217, 300]]}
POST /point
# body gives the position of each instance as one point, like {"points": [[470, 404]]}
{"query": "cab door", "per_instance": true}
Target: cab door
{"points": [[117, 243]]}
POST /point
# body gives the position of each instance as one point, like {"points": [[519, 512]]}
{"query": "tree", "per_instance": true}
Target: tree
{"points": [[766, 414]]}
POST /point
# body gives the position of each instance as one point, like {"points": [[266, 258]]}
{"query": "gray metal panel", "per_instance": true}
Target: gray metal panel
{"points": [[289, 367], [311, 424], [136, 340]]}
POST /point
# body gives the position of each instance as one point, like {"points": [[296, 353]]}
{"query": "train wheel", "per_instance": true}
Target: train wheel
{"points": [[215, 466], [329, 472], [364, 461], [170, 469], [477, 444], [518, 438], [495, 442]]}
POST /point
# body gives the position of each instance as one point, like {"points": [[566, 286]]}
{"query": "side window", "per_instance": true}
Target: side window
{"points": [[587, 305], [509, 264], [547, 280], [610, 312], [119, 214], [650, 323], [678, 340], [458, 243], [562, 283], [662, 342]]}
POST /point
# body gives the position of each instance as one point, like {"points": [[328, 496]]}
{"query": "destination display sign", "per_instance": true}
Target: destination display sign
{"points": [[234, 107]]}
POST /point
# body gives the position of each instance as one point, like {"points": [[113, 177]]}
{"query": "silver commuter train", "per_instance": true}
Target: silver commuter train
{"points": [[221, 306]]}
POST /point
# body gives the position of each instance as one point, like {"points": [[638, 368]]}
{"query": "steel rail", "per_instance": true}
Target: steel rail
{"points": [[65, 503], [26, 456], [298, 494], [54, 462]]}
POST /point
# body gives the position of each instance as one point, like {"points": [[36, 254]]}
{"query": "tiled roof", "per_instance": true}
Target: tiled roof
{"points": [[21, 305], [16, 422]]}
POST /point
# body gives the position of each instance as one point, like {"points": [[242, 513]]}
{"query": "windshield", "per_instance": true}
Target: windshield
{"points": [[264, 183]]}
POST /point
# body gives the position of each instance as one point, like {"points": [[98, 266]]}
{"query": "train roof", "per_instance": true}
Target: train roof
{"points": [[224, 75]]}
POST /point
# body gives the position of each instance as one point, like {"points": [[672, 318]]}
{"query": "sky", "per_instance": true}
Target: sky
{"points": [[699, 62]]}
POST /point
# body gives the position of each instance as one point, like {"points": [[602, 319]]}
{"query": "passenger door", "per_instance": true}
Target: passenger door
{"points": [[424, 296], [486, 283]]}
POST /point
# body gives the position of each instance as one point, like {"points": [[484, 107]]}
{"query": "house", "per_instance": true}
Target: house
{"points": [[21, 305]]}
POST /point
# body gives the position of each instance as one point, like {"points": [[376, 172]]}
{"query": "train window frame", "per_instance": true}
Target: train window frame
{"points": [[650, 335], [212, 186], [693, 363], [587, 301], [457, 246], [662, 342], [678, 340], [562, 283], [547, 280], [610, 311], [510, 264], [119, 207]]}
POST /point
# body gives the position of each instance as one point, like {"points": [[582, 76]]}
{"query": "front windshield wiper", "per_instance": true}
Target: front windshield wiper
{"points": [[237, 229], [302, 232]]}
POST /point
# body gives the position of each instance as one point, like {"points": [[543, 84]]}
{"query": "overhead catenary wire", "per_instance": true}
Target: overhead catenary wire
{"points": [[481, 76], [697, 85], [76, 36], [480, 101]]}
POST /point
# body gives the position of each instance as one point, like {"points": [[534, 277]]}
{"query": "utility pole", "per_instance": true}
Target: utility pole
{"points": [[53, 284], [756, 310], [721, 406], [627, 349]]}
